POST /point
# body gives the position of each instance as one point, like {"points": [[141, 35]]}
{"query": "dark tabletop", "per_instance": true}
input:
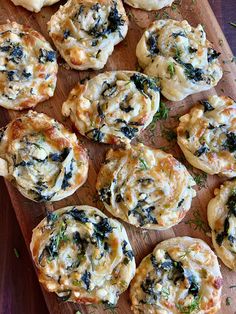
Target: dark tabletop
{"points": [[19, 277]]}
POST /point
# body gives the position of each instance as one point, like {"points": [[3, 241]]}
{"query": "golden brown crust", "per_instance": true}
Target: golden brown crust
{"points": [[44, 160], [145, 187], [222, 220], [82, 255], [86, 31], [113, 107], [28, 73], [207, 136], [182, 275]]}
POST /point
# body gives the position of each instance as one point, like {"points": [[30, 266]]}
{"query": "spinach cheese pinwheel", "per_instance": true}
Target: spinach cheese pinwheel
{"points": [[149, 4], [145, 187], [34, 5], [113, 107], [207, 136], [181, 275], [180, 56], [42, 158], [28, 67], [82, 255], [222, 220], [86, 31]]}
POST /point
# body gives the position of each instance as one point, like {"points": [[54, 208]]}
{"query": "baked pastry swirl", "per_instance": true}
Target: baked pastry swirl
{"points": [[149, 4], [42, 158], [180, 56], [182, 275], [113, 107], [28, 67], [86, 31], [34, 5], [82, 255], [207, 136], [222, 220], [145, 187]]}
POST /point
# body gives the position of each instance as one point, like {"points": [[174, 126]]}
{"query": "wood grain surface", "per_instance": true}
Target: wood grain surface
{"points": [[29, 214]]}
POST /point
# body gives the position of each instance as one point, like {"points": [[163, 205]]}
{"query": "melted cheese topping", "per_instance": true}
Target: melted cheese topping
{"points": [[86, 31], [180, 56], [43, 159], [28, 67], [207, 136], [113, 107], [182, 275], [34, 5], [222, 220], [145, 187], [149, 4], [82, 255]]}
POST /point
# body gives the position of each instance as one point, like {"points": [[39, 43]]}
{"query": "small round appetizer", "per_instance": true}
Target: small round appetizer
{"points": [[28, 67], [42, 158], [149, 5], [34, 5], [222, 220], [86, 31], [145, 187], [82, 255], [182, 275], [207, 136], [180, 56], [113, 107]]}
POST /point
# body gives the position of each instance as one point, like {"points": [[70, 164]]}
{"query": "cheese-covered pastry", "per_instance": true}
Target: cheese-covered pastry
{"points": [[182, 275], [180, 56], [207, 136], [34, 5], [82, 255], [149, 4], [113, 107], [28, 67], [86, 31], [222, 220], [145, 187], [42, 158]]}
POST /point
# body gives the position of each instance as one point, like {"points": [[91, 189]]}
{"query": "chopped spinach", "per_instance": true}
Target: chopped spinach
{"points": [[86, 278], [207, 105], [148, 286], [102, 229], [231, 204], [67, 176], [51, 218], [60, 157], [46, 56], [95, 134], [12, 75], [195, 74], [192, 50], [202, 150], [128, 253], [143, 212], [105, 195], [230, 143], [128, 131], [26, 74], [78, 215], [212, 55], [144, 83], [66, 34], [81, 244], [182, 34], [152, 42], [53, 246], [16, 53], [66, 295]]}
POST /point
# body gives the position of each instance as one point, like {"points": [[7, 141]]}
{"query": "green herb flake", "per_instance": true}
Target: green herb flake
{"points": [[143, 165], [17, 254], [201, 179], [197, 222], [190, 308], [228, 301], [161, 114], [171, 69], [232, 24]]}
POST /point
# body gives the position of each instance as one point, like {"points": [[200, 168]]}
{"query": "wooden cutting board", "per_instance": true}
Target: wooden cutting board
{"points": [[29, 214]]}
